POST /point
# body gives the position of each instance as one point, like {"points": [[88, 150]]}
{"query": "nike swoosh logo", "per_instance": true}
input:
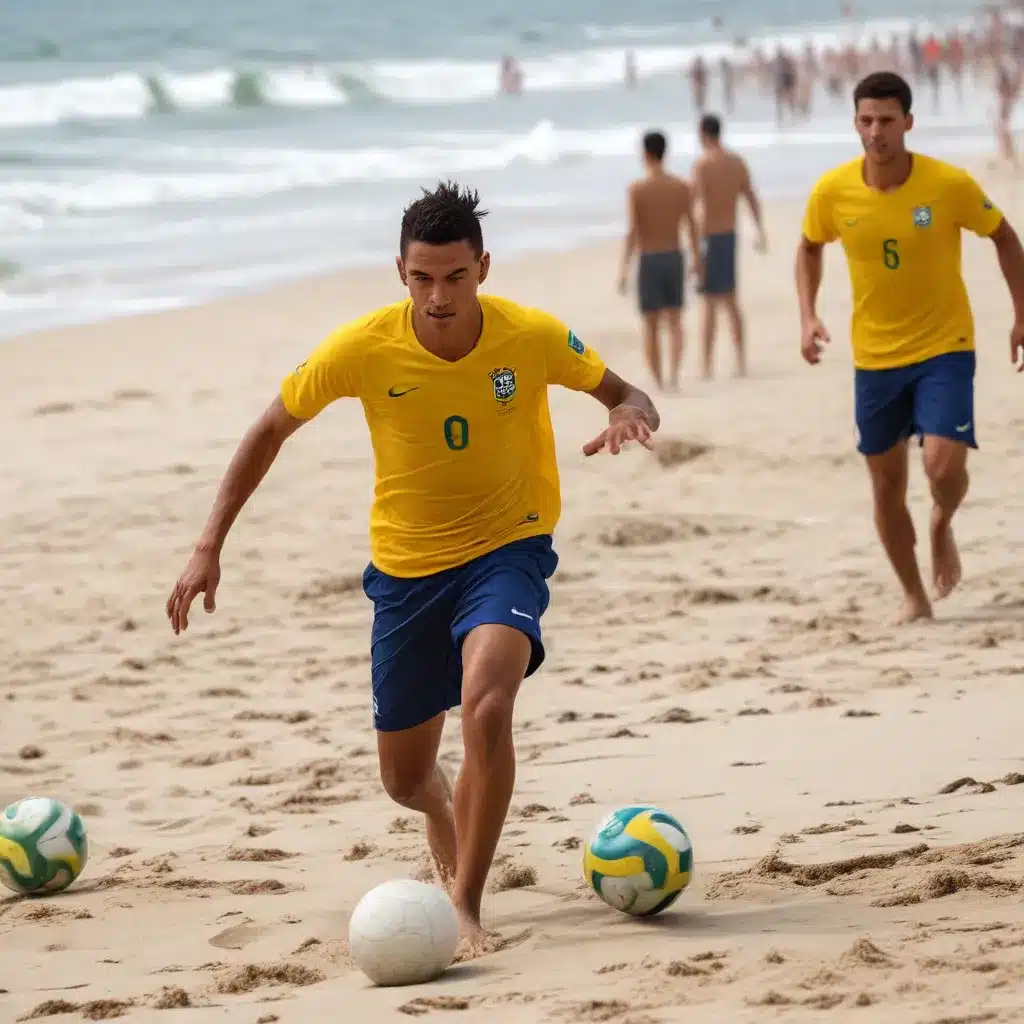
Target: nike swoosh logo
{"points": [[851, 222], [398, 394], [963, 429], [522, 615]]}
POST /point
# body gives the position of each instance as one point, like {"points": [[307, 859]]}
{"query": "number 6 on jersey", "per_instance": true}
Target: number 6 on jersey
{"points": [[891, 253]]}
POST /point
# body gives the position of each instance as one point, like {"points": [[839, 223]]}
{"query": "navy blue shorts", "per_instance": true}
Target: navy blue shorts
{"points": [[419, 625], [719, 264], [660, 281], [934, 397]]}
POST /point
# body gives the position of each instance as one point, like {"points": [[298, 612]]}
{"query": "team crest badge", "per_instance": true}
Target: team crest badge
{"points": [[504, 381], [922, 216]]}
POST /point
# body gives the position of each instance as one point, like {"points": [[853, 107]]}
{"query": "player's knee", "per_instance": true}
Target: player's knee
{"points": [[405, 783], [487, 719], [943, 463]]}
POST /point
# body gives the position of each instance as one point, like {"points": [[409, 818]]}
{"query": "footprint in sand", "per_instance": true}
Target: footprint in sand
{"points": [[972, 786], [673, 451], [639, 531], [254, 976]]}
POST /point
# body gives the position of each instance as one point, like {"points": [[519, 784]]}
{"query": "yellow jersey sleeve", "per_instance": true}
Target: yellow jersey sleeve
{"points": [[819, 220], [973, 209], [569, 362], [333, 370]]}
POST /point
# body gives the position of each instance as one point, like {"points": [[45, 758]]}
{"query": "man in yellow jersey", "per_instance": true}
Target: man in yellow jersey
{"points": [[454, 388], [899, 216]]}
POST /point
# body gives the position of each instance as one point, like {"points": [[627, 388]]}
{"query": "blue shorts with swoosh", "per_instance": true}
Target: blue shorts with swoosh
{"points": [[419, 625], [934, 397]]}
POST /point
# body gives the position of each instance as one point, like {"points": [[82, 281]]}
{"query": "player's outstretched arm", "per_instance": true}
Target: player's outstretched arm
{"points": [[253, 458], [632, 415], [1011, 262]]}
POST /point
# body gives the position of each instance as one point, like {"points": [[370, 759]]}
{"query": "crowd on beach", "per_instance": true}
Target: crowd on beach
{"points": [[991, 54]]}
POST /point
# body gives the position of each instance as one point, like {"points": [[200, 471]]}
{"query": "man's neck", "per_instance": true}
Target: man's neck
{"points": [[448, 341], [889, 176]]}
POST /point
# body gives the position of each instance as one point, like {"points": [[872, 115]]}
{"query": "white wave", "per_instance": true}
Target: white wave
{"points": [[430, 81], [112, 97], [251, 173], [131, 95], [203, 90], [302, 87]]}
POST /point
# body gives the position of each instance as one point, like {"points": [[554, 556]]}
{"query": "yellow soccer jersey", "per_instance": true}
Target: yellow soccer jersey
{"points": [[903, 251], [464, 451]]}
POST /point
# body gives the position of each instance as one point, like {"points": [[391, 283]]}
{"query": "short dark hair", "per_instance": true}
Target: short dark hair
{"points": [[883, 85], [655, 145], [711, 126], [448, 214]]}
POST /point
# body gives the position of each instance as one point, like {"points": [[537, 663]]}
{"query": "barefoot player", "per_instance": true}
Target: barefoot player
{"points": [[899, 216], [454, 388]]}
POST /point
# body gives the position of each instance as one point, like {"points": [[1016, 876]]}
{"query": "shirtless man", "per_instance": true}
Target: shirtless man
{"points": [[720, 178], [657, 205]]}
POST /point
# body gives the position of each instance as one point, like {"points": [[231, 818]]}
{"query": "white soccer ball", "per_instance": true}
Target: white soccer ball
{"points": [[403, 932]]}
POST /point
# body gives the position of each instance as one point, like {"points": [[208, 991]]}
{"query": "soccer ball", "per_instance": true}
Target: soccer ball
{"points": [[638, 860], [403, 933], [43, 846]]}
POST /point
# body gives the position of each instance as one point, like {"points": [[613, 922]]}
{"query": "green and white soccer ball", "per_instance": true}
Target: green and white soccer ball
{"points": [[639, 860], [43, 846]]}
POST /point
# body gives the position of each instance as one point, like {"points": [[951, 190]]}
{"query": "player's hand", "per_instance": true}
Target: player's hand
{"points": [[625, 423], [201, 576], [814, 338], [1017, 346]]}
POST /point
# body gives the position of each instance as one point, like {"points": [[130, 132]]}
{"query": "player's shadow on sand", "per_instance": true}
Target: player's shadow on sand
{"points": [[994, 613], [467, 970], [704, 920]]}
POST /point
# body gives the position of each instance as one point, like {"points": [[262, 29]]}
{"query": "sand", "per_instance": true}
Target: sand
{"points": [[717, 644]]}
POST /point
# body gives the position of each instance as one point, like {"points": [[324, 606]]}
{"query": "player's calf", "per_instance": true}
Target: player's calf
{"points": [[414, 780], [896, 528], [495, 659], [945, 465]]}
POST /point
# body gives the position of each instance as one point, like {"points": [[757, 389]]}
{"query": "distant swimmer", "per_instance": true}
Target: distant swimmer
{"points": [[1008, 80], [511, 82], [899, 216], [699, 83], [931, 56], [721, 178], [658, 204], [630, 73], [727, 70], [785, 81]]}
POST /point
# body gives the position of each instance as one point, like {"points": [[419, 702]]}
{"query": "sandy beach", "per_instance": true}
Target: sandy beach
{"points": [[717, 645]]}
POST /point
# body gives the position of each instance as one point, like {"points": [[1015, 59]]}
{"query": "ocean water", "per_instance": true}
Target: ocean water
{"points": [[154, 154]]}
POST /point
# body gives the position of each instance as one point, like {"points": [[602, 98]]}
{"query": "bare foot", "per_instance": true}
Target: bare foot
{"points": [[441, 834], [915, 607], [946, 568], [474, 940]]}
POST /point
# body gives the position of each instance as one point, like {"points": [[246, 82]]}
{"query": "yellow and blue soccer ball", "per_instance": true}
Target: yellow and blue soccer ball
{"points": [[639, 860], [43, 846]]}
